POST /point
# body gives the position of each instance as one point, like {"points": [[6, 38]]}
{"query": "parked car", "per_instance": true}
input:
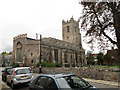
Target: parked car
{"points": [[59, 82], [20, 75], [5, 72]]}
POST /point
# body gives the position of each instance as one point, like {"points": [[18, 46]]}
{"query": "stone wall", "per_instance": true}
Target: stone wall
{"points": [[98, 74]]}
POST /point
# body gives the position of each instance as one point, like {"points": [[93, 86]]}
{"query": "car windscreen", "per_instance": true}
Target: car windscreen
{"points": [[22, 71], [72, 82], [63, 83]]}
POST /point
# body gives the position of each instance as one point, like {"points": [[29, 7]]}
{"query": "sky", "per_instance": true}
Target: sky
{"points": [[35, 16]]}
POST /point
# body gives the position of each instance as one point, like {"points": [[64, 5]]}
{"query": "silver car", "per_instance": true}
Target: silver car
{"points": [[19, 75]]}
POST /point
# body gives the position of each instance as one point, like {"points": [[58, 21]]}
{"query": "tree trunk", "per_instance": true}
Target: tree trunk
{"points": [[116, 18]]}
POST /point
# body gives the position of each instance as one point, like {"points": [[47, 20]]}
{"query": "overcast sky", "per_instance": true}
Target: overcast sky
{"points": [[34, 16]]}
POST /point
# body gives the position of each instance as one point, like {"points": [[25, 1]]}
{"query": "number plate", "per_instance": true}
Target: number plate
{"points": [[23, 76]]}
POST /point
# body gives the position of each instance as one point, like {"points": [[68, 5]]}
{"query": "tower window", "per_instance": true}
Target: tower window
{"points": [[32, 61], [75, 28], [67, 28]]}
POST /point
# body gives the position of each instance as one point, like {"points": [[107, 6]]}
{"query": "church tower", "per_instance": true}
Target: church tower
{"points": [[71, 32]]}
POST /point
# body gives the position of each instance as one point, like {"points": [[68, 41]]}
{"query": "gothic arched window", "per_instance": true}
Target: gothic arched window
{"points": [[65, 56], [18, 52], [56, 55]]}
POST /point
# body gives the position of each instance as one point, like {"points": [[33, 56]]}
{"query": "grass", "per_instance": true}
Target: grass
{"points": [[102, 67]]}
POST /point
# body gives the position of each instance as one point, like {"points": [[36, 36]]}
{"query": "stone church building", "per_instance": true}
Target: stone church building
{"points": [[68, 52]]}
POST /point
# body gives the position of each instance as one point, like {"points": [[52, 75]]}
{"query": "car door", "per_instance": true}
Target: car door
{"points": [[9, 76], [50, 84], [39, 84], [44, 83]]}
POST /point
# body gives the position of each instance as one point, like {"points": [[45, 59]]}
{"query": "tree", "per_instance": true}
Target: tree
{"points": [[90, 58], [10, 52], [6, 53], [101, 21], [100, 58], [3, 53], [108, 60]]}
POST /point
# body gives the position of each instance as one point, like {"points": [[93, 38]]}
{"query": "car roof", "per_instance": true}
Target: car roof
{"points": [[57, 75], [20, 68]]}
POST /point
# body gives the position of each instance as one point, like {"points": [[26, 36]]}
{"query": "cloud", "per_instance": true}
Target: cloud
{"points": [[34, 16]]}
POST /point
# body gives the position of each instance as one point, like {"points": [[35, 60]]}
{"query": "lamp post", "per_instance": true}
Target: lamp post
{"points": [[40, 67]]}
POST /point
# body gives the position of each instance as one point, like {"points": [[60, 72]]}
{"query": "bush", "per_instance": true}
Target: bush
{"points": [[58, 65], [48, 64], [15, 64], [51, 64], [44, 63], [37, 64]]}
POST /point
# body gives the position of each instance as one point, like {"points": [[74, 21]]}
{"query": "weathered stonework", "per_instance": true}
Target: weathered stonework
{"points": [[68, 51], [98, 74]]}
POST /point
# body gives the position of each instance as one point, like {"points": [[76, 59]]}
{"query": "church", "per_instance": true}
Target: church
{"points": [[68, 51]]}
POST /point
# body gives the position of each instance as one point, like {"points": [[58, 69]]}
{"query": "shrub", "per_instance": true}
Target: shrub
{"points": [[51, 64], [48, 64], [37, 64], [44, 63], [15, 64], [58, 64]]}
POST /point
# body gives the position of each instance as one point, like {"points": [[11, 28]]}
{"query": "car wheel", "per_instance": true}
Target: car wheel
{"points": [[12, 85]]}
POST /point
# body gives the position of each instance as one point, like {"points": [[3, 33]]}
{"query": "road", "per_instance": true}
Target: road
{"points": [[103, 86], [25, 87]]}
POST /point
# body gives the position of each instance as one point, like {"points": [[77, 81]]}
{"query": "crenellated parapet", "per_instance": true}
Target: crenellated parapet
{"points": [[70, 21], [20, 36]]}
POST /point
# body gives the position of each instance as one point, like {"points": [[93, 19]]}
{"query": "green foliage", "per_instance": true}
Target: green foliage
{"points": [[3, 53], [37, 64], [48, 64], [44, 63], [58, 64], [100, 58], [10, 53], [110, 61], [101, 67], [90, 59], [104, 66], [15, 64], [6, 53]]}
